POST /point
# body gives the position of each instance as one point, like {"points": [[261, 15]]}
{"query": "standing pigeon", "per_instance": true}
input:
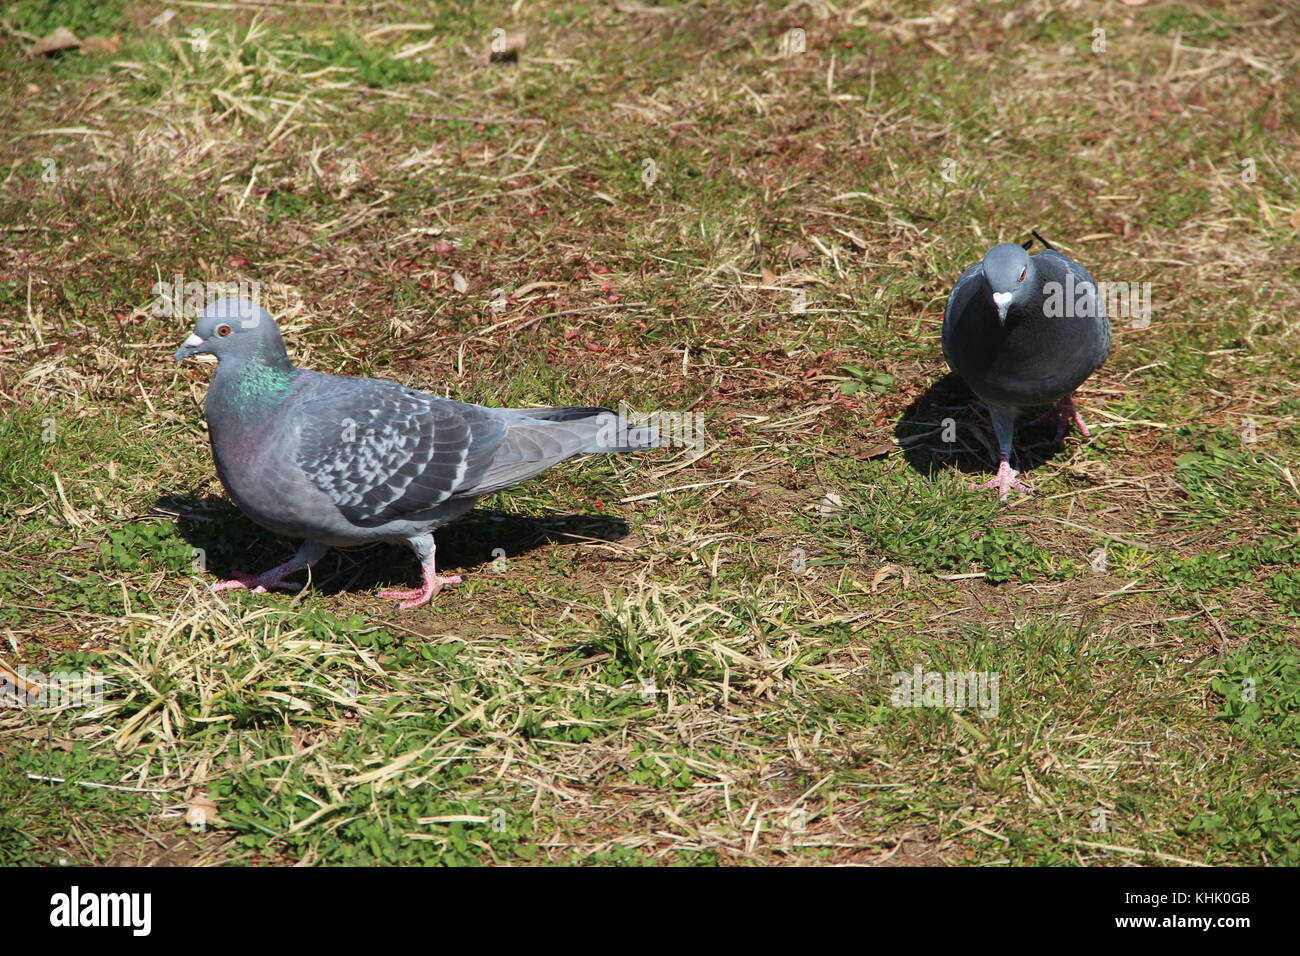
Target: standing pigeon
{"points": [[345, 461], [1025, 331]]}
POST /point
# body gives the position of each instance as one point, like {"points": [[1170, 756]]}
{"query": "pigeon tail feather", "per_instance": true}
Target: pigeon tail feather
{"points": [[614, 436]]}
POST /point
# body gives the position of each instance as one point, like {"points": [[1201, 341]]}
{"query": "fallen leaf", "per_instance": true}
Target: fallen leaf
{"points": [[61, 39], [875, 451], [831, 504], [459, 283], [17, 684], [885, 572], [96, 45]]}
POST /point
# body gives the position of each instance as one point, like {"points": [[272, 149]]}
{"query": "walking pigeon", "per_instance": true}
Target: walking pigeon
{"points": [[1025, 331], [344, 461]]}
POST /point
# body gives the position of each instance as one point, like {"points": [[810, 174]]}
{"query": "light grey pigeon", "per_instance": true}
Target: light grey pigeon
{"points": [[344, 461], [1023, 332]]}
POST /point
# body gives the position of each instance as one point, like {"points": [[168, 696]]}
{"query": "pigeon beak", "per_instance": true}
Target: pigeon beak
{"points": [[189, 347], [1003, 302]]}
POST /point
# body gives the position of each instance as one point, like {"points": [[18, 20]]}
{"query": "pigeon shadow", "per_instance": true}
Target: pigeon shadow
{"points": [[228, 541], [948, 427]]}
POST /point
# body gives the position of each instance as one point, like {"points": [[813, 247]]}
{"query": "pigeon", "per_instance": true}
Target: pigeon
{"points": [[339, 461], [1024, 332]]}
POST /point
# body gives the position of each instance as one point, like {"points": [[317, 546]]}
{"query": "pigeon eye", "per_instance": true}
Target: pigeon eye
{"points": [[224, 330], [1024, 272]]}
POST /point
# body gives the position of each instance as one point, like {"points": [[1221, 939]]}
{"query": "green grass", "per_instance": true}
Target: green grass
{"points": [[83, 17], [933, 527], [52, 822]]}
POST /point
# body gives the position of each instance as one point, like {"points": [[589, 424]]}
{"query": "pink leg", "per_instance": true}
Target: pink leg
{"points": [[1076, 417], [258, 583], [307, 555], [1004, 482], [1064, 412], [433, 581]]}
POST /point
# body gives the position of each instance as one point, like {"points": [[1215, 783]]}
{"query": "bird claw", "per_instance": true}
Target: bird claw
{"points": [[1064, 412], [256, 584], [1079, 423], [1003, 482], [414, 598]]}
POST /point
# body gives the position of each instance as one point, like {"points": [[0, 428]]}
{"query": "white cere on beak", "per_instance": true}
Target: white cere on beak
{"points": [[193, 340], [1002, 300]]}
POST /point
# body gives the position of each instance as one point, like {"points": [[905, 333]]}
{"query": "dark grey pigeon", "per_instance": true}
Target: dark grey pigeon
{"points": [[344, 461], [1024, 332]]}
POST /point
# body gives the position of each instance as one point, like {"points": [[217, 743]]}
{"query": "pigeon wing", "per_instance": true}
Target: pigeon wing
{"points": [[963, 291], [1057, 267], [381, 451]]}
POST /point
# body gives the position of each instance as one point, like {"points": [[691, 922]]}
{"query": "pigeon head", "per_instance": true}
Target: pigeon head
{"points": [[1007, 273], [235, 329]]}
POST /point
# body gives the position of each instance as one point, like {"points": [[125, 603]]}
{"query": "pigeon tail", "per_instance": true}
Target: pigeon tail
{"points": [[618, 436], [615, 435]]}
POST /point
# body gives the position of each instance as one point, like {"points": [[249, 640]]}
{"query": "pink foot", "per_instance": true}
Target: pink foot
{"points": [[1079, 422], [257, 583], [433, 583], [1004, 481], [1064, 412]]}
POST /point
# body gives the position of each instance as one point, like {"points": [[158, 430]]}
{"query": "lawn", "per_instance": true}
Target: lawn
{"points": [[749, 213]]}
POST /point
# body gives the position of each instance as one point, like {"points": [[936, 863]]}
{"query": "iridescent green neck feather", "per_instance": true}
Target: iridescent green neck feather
{"points": [[248, 385]]}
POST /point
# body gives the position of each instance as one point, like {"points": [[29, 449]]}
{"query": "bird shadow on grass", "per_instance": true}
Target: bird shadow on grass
{"points": [[947, 427], [227, 541], [475, 542]]}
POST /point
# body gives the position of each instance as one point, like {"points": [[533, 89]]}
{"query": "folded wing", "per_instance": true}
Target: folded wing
{"points": [[382, 452]]}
